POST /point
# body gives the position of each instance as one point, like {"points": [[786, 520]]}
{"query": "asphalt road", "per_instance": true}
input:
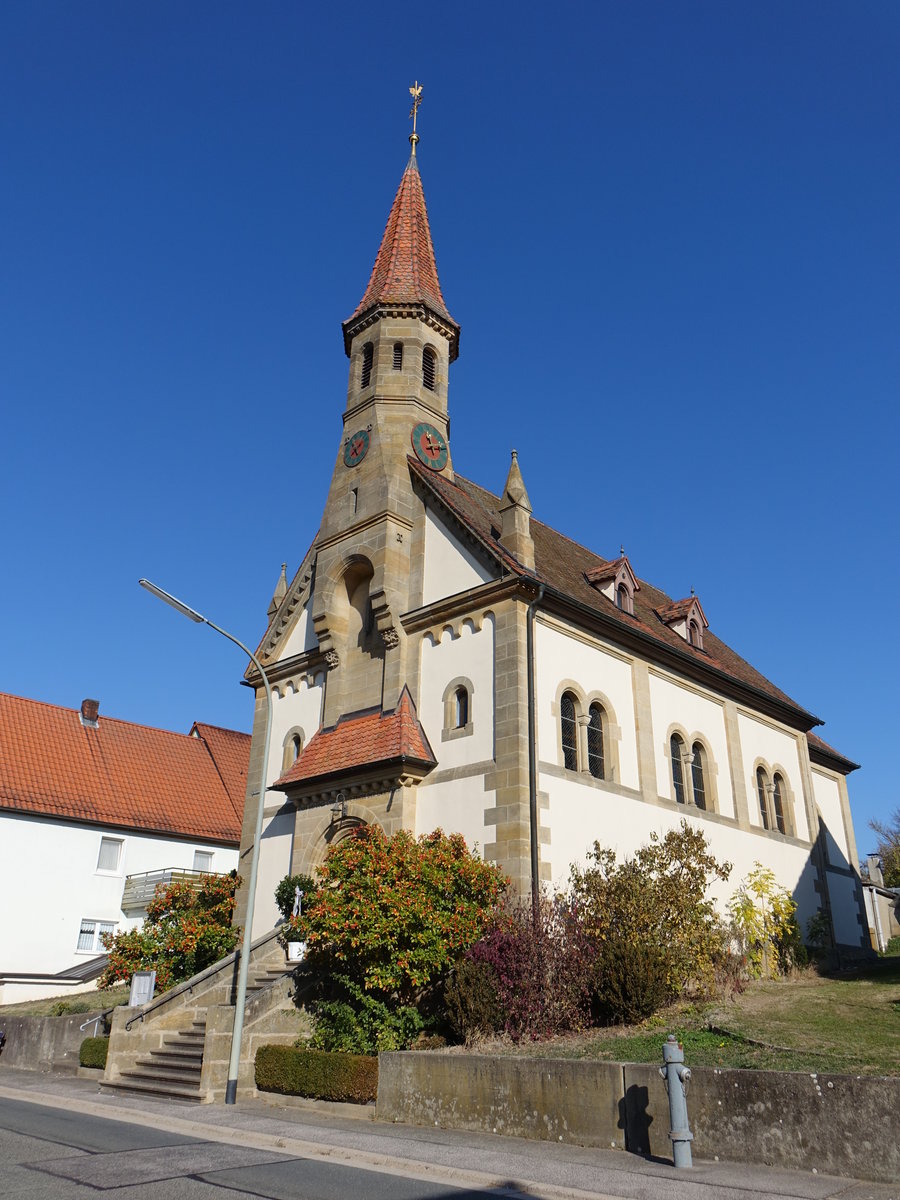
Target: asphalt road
{"points": [[61, 1154]]}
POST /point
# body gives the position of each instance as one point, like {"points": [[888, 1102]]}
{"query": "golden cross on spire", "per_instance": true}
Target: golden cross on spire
{"points": [[416, 92]]}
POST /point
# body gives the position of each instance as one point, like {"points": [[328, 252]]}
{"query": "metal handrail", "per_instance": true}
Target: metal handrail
{"points": [[190, 984], [101, 1016], [140, 888]]}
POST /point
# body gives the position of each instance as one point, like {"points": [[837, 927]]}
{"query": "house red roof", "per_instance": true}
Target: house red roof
{"points": [[676, 611], [363, 740], [120, 774], [609, 571], [405, 271]]}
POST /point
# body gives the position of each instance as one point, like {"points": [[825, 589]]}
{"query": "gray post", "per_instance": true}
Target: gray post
{"points": [[676, 1075]]}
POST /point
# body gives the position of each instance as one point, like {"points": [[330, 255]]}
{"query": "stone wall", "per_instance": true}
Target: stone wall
{"points": [[45, 1043], [835, 1124]]}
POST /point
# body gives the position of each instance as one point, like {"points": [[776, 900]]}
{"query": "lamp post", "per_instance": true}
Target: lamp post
{"points": [[244, 967]]}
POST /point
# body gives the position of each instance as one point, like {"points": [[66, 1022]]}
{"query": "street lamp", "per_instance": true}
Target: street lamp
{"points": [[244, 961]]}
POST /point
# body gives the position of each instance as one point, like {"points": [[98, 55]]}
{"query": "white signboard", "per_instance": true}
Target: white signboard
{"points": [[142, 985]]}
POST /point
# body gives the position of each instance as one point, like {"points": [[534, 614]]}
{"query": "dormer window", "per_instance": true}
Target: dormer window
{"points": [[368, 357], [397, 361], [687, 619], [428, 368], [617, 582]]}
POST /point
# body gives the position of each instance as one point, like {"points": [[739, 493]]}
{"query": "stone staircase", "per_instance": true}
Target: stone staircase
{"points": [[178, 1047]]}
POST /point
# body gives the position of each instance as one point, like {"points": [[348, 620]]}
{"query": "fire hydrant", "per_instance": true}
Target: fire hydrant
{"points": [[676, 1075]]}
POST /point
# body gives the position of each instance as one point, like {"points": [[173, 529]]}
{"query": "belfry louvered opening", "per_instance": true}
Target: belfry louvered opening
{"points": [[428, 368], [368, 357], [398, 356]]}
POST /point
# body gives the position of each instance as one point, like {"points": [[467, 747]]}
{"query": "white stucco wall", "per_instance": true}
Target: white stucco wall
{"points": [[844, 908], [674, 703], [456, 806], [828, 801], [559, 657], [762, 740], [50, 881], [275, 852], [303, 636], [449, 566], [469, 655], [293, 706], [579, 814]]}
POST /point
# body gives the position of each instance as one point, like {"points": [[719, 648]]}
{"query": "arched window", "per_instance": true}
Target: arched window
{"points": [[778, 803], [694, 634], [698, 781], [398, 356], [762, 784], [293, 745], [461, 705], [569, 731], [676, 749], [595, 743], [622, 598], [428, 368], [368, 356]]}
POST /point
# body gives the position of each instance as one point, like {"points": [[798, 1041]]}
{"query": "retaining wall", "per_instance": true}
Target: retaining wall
{"points": [[45, 1043], [837, 1124]]}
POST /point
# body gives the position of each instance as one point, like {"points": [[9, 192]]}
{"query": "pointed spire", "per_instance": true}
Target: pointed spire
{"points": [[280, 591], [515, 516], [405, 270]]}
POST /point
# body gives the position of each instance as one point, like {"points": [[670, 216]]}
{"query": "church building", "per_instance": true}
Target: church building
{"points": [[442, 658]]}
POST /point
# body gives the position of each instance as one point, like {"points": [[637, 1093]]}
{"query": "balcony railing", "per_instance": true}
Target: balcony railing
{"points": [[139, 889]]}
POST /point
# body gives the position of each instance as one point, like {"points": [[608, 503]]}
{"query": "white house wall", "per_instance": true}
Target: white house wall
{"points": [[680, 704], [844, 910], [302, 637], [456, 806], [275, 853], [828, 802], [50, 880], [294, 706], [470, 656], [560, 657], [779, 749], [449, 566]]}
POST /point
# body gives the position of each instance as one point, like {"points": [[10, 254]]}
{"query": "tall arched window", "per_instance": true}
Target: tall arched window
{"points": [[368, 357], [461, 705], [676, 749], [569, 730], [694, 634], [293, 744], [778, 803], [762, 784], [398, 356], [596, 764], [622, 597], [698, 780], [428, 368]]}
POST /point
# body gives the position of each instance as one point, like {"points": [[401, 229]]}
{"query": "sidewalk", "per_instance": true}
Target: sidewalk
{"points": [[451, 1157]]}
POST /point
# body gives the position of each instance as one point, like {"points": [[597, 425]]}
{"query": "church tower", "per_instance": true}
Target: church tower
{"points": [[400, 341]]}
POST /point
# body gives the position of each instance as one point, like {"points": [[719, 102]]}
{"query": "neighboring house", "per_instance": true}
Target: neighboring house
{"points": [[93, 813], [882, 906], [442, 658]]}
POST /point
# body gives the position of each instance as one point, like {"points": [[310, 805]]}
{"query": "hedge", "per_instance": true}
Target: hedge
{"points": [[93, 1052], [317, 1073]]}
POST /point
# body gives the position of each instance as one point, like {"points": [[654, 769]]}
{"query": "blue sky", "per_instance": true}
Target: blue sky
{"points": [[668, 231]]}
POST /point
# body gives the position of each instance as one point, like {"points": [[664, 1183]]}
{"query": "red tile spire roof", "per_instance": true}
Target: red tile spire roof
{"points": [[119, 774], [405, 270]]}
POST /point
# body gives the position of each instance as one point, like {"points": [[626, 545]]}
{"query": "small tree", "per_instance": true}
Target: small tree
{"points": [[889, 847], [286, 892], [187, 929], [657, 903], [392, 915], [765, 924]]}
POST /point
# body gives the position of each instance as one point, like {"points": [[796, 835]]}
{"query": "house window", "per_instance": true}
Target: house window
{"points": [[428, 368], [203, 861], [698, 781], [624, 598], [595, 742], [762, 786], [457, 701], [461, 704], [89, 935], [110, 855], [695, 636], [778, 790], [569, 730], [676, 749], [368, 356], [398, 356], [293, 744]]}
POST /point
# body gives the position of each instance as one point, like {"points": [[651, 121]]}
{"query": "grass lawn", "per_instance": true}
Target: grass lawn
{"points": [[807, 1023], [60, 1006]]}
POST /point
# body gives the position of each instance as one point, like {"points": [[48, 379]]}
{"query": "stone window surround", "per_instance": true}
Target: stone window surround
{"points": [[787, 797], [290, 753], [451, 730], [612, 733], [711, 769]]}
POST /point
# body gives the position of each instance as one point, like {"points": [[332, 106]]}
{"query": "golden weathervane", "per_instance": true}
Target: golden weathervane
{"points": [[416, 92]]}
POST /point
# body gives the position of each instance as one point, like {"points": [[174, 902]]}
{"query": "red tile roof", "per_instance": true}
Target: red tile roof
{"points": [[609, 571], [563, 564], [120, 774], [675, 611], [364, 740], [405, 271]]}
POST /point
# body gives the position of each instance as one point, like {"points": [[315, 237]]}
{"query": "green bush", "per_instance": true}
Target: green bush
{"points": [[293, 1071], [892, 948], [631, 981], [472, 1000], [92, 1052], [284, 893], [63, 1007], [361, 1023]]}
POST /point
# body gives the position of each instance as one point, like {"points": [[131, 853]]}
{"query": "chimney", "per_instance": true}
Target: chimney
{"points": [[90, 714]]}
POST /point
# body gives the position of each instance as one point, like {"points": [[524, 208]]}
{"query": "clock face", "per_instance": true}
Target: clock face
{"points": [[355, 448], [430, 447]]}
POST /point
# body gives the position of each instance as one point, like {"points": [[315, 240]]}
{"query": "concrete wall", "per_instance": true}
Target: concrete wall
{"points": [[837, 1124], [44, 1043]]}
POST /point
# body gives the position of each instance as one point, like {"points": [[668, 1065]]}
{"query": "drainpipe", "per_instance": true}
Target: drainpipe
{"points": [[532, 764]]}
